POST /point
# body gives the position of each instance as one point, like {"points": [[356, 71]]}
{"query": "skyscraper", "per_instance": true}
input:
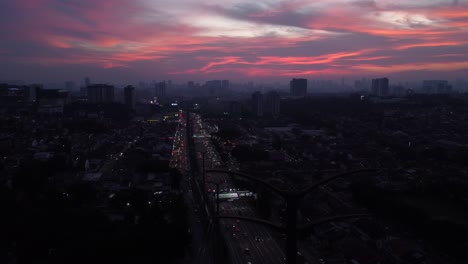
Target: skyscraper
{"points": [[100, 93], [225, 84], [272, 104], [87, 82], [257, 104], [380, 87], [161, 90], [298, 87], [129, 96]]}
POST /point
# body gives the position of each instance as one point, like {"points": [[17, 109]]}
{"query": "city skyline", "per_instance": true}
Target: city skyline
{"points": [[127, 41]]}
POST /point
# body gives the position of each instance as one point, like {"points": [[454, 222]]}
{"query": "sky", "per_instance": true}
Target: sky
{"points": [[268, 40]]}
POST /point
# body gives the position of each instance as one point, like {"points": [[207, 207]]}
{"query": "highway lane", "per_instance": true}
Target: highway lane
{"points": [[179, 160], [265, 246], [264, 250]]}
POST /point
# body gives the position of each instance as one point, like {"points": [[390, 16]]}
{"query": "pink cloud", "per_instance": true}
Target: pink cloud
{"points": [[122, 33]]}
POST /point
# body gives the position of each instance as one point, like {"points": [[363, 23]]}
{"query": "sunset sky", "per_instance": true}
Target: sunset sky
{"points": [[131, 40]]}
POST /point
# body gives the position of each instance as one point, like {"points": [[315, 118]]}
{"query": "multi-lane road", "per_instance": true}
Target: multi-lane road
{"points": [[246, 242]]}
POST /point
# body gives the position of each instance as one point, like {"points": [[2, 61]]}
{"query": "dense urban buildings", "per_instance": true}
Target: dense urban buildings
{"points": [[236, 132], [111, 167]]}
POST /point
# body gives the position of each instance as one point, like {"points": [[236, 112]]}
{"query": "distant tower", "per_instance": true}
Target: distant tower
{"points": [[87, 82], [161, 90], [129, 96], [380, 87], [298, 87], [272, 103], [257, 104], [225, 84]]}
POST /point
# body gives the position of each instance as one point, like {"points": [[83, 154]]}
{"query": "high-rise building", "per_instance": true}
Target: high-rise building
{"points": [[436, 87], [298, 87], [100, 93], [272, 104], [87, 82], [380, 87], [257, 104], [129, 96], [161, 90], [225, 84]]}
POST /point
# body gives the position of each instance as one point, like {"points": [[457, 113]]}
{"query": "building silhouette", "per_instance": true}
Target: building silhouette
{"points": [[87, 82], [257, 104], [298, 87], [129, 96], [160, 90], [225, 84], [436, 87], [380, 87], [272, 104], [51, 101], [217, 87], [100, 93]]}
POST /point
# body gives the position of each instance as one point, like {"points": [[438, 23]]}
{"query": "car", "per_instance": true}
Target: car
{"points": [[247, 250]]}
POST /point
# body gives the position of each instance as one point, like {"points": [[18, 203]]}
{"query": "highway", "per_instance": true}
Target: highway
{"points": [[246, 242]]}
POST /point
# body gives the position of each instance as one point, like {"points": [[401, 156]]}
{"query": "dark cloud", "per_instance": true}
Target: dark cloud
{"points": [[129, 40]]}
